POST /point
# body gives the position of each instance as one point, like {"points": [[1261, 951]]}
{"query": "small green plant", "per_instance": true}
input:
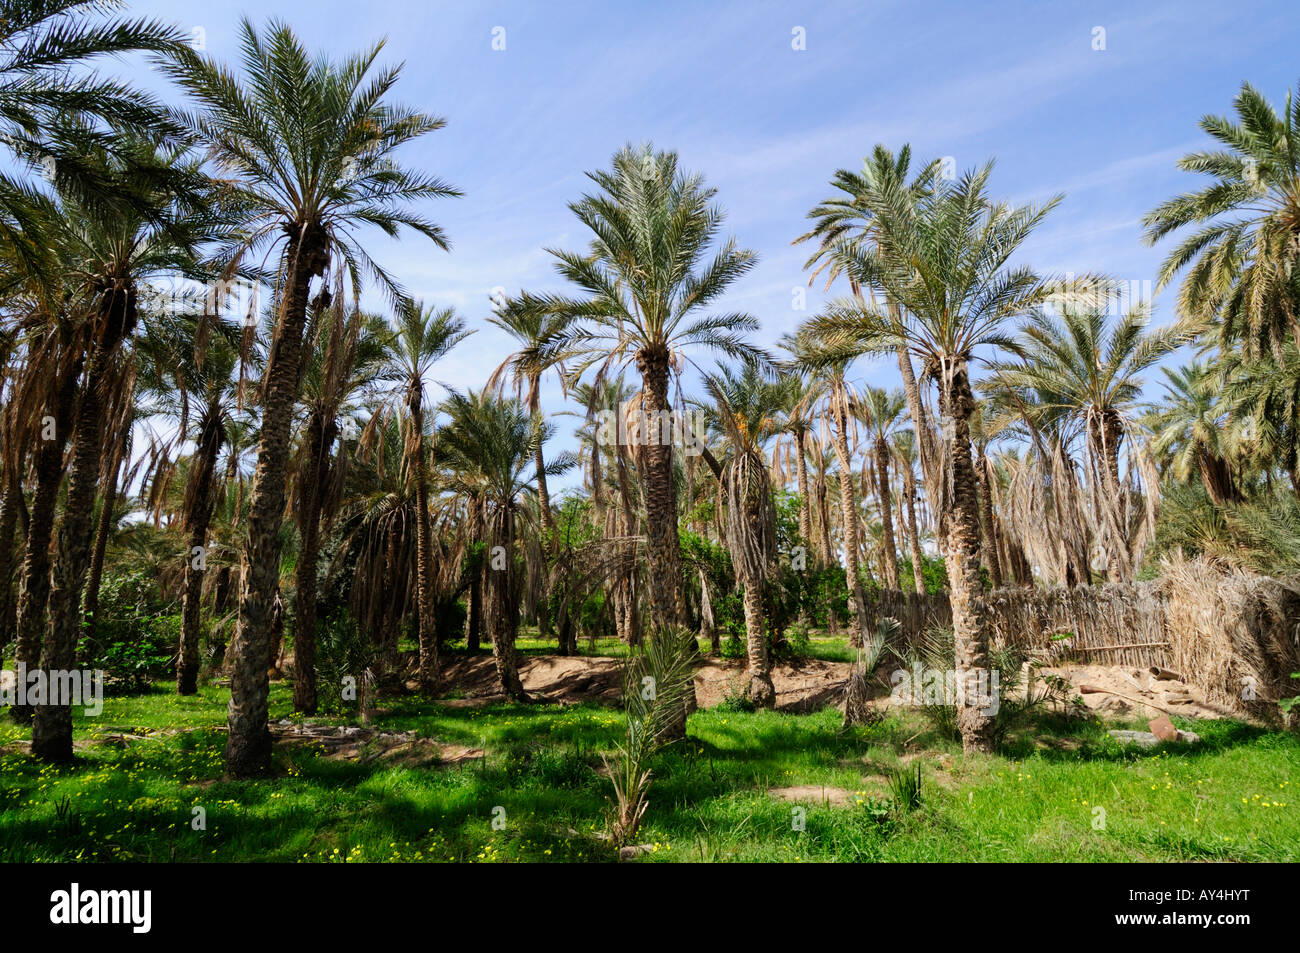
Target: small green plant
{"points": [[656, 680], [878, 809], [736, 701], [905, 783], [1289, 705], [343, 666], [68, 815]]}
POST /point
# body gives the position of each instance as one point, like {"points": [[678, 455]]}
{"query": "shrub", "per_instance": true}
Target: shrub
{"points": [[137, 633], [342, 652]]}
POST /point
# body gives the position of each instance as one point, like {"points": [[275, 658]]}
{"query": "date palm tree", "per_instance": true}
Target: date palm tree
{"points": [[798, 420], [946, 262], [346, 359], [544, 344], [486, 450], [114, 248], [175, 381], [1190, 431], [1242, 261], [306, 148], [845, 226], [811, 356], [1086, 369], [648, 291], [423, 336], [745, 410], [881, 411]]}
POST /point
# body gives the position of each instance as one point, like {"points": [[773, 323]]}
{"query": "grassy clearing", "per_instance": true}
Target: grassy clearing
{"points": [[1230, 798], [820, 646]]}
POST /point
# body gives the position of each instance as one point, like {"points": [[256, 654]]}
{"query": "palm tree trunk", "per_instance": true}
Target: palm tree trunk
{"points": [[320, 441], [805, 503], [667, 603], [761, 691], [428, 636], [197, 520], [913, 535], [9, 505], [474, 632], [52, 727], [102, 531], [502, 608], [248, 742], [805, 512], [849, 516], [988, 539], [970, 631], [886, 512], [826, 550], [34, 586], [663, 546], [708, 629]]}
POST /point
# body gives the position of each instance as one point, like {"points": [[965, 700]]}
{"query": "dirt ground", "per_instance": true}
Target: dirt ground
{"points": [[805, 686], [1136, 692]]}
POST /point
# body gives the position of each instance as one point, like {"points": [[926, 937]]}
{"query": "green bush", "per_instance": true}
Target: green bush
{"points": [[137, 632], [342, 652]]}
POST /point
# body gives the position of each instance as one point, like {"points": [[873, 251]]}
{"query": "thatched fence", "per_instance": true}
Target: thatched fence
{"points": [[1233, 634]]}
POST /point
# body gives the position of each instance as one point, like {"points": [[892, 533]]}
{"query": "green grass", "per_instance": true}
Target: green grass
{"points": [[1229, 798]]}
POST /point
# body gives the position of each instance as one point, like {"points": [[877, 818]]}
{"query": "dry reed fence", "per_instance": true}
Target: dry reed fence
{"points": [[1231, 633]]}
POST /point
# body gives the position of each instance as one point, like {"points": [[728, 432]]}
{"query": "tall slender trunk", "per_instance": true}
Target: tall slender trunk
{"points": [[667, 602], [886, 512], [656, 465], [10, 497], [248, 742], [34, 586], [926, 445], [52, 727], [708, 628], [761, 691], [428, 636], [805, 510], [102, 531], [913, 534], [543, 494], [200, 502], [315, 477], [474, 631], [503, 604], [827, 552], [988, 538], [805, 504], [849, 516], [970, 631]]}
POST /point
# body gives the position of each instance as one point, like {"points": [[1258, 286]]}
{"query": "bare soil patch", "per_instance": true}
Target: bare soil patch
{"points": [[800, 687], [814, 794], [366, 745], [559, 679]]}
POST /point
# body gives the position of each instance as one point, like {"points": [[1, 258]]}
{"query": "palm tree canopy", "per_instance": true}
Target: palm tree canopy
{"points": [[645, 274], [1080, 366], [489, 445], [946, 262], [308, 143], [845, 222], [1241, 259]]}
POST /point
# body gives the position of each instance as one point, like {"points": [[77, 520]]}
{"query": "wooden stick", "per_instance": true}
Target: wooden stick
{"points": [[1129, 645]]}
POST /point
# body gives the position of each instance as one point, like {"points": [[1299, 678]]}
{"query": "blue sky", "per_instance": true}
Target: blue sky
{"points": [[768, 124]]}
